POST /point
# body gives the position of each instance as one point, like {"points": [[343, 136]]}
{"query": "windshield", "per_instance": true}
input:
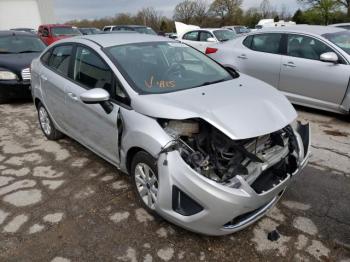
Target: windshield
{"points": [[224, 35], [341, 39], [145, 30], [162, 67], [242, 29], [59, 31], [20, 44]]}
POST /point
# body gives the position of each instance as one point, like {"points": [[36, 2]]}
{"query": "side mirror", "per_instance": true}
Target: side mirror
{"points": [[45, 34], [94, 96], [211, 40], [98, 96], [330, 57]]}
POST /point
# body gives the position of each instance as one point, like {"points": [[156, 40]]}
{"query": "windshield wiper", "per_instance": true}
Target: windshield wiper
{"points": [[6, 52], [29, 51], [213, 82]]}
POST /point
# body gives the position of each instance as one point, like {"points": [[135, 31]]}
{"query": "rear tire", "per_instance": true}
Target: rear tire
{"points": [[145, 179], [46, 124]]}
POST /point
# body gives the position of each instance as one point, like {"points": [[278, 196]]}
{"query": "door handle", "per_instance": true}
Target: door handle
{"points": [[290, 64], [72, 96], [44, 78], [242, 56]]}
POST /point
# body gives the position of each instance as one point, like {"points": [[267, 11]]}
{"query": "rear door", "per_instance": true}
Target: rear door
{"points": [[89, 123], [260, 57], [306, 79], [54, 80]]}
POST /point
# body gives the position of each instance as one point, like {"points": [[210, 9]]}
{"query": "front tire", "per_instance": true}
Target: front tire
{"points": [[145, 179], [46, 124]]}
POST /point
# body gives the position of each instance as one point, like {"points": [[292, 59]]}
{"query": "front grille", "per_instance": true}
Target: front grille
{"points": [[25, 74]]}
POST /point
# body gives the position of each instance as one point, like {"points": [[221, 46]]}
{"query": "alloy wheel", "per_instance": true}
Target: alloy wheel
{"points": [[146, 184], [45, 121]]}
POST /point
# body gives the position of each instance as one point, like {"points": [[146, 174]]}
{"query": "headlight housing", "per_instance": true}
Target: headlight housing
{"points": [[7, 75]]}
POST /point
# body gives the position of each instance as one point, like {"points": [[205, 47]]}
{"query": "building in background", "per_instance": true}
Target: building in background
{"points": [[25, 13]]}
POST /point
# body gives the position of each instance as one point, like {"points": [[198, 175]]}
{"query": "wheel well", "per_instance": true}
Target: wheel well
{"points": [[36, 102], [130, 155]]}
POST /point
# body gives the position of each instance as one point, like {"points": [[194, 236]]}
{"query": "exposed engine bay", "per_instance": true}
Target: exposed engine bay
{"points": [[262, 161]]}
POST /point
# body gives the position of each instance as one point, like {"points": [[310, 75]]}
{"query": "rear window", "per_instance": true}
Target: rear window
{"points": [[224, 35], [64, 31]]}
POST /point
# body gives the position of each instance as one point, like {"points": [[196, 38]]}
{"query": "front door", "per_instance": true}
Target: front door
{"points": [[306, 79], [89, 123]]}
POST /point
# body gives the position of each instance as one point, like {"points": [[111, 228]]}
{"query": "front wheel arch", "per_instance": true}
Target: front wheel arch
{"points": [[37, 101], [130, 155]]}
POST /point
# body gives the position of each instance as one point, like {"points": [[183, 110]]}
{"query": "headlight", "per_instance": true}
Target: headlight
{"points": [[7, 75]]}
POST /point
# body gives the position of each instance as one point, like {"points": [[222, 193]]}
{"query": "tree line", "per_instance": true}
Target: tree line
{"points": [[228, 12]]}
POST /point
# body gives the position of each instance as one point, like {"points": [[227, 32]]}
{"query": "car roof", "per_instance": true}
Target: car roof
{"points": [[310, 29], [134, 26], [209, 29], [14, 33], [108, 40], [56, 25], [339, 24], [22, 28]]}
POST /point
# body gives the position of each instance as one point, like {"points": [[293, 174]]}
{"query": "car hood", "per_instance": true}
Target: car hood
{"points": [[241, 108], [17, 62]]}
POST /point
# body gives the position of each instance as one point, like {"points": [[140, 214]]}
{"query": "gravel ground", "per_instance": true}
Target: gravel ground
{"points": [[60, 202]]}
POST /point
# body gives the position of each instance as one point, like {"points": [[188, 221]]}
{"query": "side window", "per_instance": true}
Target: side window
{"points": [[248, 41], [45, 32], [192, 36], [268, 43], [45, 57], [91, 71], [204, 36], [306, 47], [60, 58]]}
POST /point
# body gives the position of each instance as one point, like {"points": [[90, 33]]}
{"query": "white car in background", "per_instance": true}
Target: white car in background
{"points": [[309, 64], [238, 29], [201, 38]]}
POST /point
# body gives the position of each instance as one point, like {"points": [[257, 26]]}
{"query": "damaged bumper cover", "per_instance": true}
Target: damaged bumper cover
{"points": [[203, 205]]}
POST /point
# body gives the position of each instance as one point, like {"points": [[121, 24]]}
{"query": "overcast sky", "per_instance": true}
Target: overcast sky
{"points": [[90, 9]]}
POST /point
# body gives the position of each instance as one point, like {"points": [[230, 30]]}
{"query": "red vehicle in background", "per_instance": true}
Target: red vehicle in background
{"points": [[54, 32]]}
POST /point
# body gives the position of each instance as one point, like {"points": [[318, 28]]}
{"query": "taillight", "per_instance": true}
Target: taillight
{"points": [[210, 50]]}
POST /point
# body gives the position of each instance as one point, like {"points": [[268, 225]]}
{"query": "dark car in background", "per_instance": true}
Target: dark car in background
{"points": [[17, 50], [89, 31], [136, 28]]}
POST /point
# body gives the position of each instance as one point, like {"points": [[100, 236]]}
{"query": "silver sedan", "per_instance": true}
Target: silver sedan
{"points": [[207, 149], [309, 64]]}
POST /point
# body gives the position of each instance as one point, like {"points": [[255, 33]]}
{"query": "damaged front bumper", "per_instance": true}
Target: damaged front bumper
{"points": [[202, 205]]}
